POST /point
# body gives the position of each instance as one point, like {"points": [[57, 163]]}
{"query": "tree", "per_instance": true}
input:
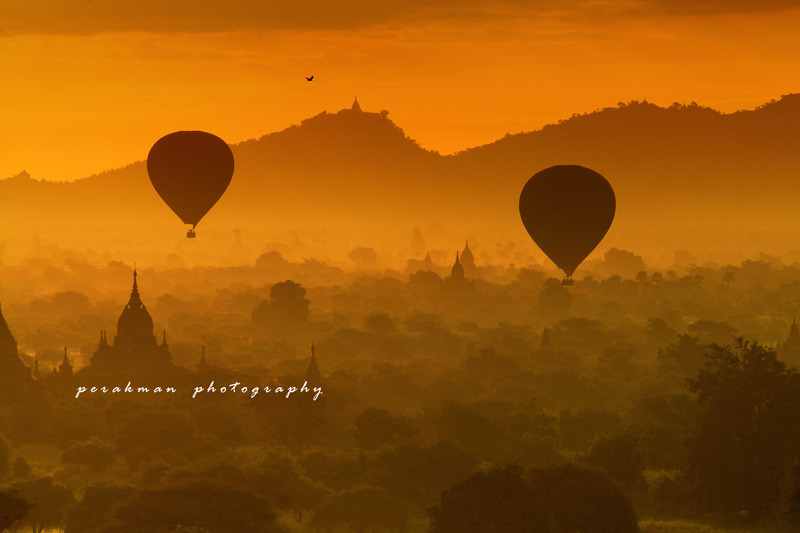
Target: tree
{"points": [[363, 257], [621, 457], [790, 504], [93, 454], [423, 323], [663, 423], [497, 501], [425, 280], [49, 503], [420, 474], [728, 278], [361, 510], [21, 469], [554, 297], [579, 429], [13, 508], [287, 304], [5, 459], [657, 330], [749, 428], [62, 304], [95, 509], [621, 262], [378, 427], [581, 335], [148, 435], [282, 479], [468, 426], [337, 470], [711, 331], [583, 500], [684, 357], [199, 502], [530, 278], [272, 261], [72, 302], [379, 322]]}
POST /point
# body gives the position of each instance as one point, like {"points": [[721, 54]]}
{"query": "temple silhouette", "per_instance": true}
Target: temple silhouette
{"points": [[545, 351], [462, 273], [468, 262], [10, 363], [457, 280], [15, 377], [135, 345], [790, 350], [313, 375], [135, 354], [62, 374]]}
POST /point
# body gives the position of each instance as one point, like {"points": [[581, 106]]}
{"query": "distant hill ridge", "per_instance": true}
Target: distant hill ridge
{"points": [[680, 166]]}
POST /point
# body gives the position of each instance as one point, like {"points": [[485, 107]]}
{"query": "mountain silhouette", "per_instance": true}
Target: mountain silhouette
{"points": [[681, 167]]}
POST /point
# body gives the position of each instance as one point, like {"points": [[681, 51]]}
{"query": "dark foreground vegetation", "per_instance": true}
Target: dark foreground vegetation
{"points": [[653, 397]]}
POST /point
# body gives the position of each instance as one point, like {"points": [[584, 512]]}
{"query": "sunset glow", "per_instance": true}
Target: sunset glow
{"points": [[86, 92]]}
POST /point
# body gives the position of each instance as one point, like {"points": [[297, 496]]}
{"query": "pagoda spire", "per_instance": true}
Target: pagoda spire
{"points": [[103, 339], [313, 375], [66, 367], [545, 343], [202, 366], [135, 300], [794, 332]]}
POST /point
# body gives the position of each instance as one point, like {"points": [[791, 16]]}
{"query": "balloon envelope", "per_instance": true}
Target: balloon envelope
{"points": [[190, 170], [567, 210]]}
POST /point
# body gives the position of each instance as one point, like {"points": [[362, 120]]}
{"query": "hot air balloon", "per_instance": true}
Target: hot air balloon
{"points": [[567, 210], [190, 170]]}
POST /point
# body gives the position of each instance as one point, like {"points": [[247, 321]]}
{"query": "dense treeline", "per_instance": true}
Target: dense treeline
{"points": [[660, 394]]}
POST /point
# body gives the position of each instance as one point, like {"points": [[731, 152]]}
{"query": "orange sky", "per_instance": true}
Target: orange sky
{"points": [[89, 86]]}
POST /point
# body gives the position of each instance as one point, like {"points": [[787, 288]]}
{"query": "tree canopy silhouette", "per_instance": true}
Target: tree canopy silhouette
{"points": [[205, 503], [287, 304], [497, 501], [12, 508], [365, 509], [583, 500], [749, 430]]}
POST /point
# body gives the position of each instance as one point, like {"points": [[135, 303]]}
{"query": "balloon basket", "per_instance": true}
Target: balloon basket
{"points": [[567, 281], [191, 234]]}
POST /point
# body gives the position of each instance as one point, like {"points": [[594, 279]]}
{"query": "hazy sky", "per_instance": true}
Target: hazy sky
{"points": [[89, 85]]}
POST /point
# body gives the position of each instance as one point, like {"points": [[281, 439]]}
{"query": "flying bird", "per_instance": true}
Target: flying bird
{"points": [[310, 79]]}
